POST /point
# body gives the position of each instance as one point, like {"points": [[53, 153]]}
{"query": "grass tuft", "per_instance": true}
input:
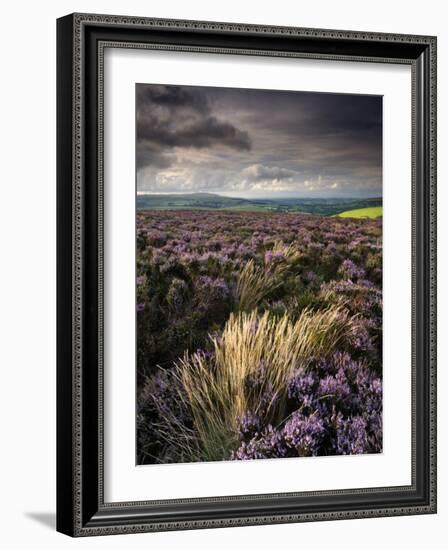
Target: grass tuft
{"points": [[256, 282], [216, 392]]}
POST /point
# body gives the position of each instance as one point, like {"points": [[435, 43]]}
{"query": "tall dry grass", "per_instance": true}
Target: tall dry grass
{"points": [[256, 282], [217, 393], [253, 285]]}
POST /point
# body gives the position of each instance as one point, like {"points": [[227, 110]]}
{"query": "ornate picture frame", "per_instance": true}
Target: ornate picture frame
{"points": [[81, 43]]}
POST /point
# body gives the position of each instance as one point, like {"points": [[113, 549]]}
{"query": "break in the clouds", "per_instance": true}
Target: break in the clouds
{"points": [[257, 143]]}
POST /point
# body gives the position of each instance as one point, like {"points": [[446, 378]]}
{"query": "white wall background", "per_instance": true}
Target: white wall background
{"points": [[27, 288]]}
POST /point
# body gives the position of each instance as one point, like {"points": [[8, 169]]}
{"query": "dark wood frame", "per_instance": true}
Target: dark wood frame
{"points": [[81, 39]]}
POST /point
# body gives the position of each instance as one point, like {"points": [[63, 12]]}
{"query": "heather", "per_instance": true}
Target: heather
{"points": [[258, 335]]}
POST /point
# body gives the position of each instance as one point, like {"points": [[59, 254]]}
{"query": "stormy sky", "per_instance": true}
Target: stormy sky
{"points": [[257, 143]]}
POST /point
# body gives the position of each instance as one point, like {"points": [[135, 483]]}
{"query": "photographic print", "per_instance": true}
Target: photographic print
{"points": [[258, 274]]}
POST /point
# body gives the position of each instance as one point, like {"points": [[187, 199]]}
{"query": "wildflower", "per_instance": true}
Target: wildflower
{"points": [[304, 433], [351, 436], [349, 270]]}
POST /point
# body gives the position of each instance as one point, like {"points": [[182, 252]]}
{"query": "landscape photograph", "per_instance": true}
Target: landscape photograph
{"points": [[258, 274]]}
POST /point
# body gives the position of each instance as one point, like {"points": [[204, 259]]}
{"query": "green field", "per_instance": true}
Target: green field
{"points": [[372, 212]]}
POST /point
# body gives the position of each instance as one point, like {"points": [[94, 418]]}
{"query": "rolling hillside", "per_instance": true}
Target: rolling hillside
{"points": [[211, 201]]}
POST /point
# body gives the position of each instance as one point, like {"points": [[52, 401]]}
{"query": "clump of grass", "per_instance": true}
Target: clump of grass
{"points": [[253, 284], [216, 392], [256, 282]]}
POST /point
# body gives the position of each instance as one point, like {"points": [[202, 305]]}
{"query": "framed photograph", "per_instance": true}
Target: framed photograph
{"points": [[246, 274]]}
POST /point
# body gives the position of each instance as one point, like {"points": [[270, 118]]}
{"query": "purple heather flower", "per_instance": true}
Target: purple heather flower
{"points": [[301, 385], [304, 433], [334, 386], [250, 425], [351, 436], [218, 284], [268, 257], [349, 270], [269, 444], [279, 255]]}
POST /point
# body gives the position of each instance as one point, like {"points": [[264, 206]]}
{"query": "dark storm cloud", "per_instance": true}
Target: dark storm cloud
{"points": [[173, 97], [149, 154], [197, 133], [173, 116], [242, 141]]}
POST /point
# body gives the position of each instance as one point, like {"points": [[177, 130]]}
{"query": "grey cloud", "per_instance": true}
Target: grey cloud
{"points": [[149, 155], [174, 97], [170, 117], [259, 172], [198, 133]]}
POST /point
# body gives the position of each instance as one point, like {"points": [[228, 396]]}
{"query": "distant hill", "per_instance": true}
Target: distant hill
{"points": [[188, 200], [211, 201]]}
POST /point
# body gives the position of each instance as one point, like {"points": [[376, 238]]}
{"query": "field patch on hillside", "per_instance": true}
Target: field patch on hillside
{"points": [[371, 212]]}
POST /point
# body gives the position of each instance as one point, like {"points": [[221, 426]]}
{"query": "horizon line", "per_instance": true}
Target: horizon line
{"points": [[260, 197]]}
